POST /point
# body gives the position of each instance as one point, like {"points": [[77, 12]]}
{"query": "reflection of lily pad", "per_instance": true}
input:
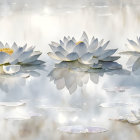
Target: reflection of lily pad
{"points": [[81, 129], [65, 109], [12, 104], [96, 129], [21, 115], [116, 89], [73, 129], [117, 104]]}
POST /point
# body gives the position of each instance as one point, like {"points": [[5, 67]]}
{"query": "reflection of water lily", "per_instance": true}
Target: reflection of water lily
{"points": [[69, 75], [92, 54], [13, 58], [134, 60], [71, 79]]}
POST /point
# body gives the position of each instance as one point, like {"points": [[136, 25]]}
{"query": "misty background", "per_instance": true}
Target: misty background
{"points": [[38, 23]]}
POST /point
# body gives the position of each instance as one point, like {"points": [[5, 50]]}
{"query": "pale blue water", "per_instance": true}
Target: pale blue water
{"points": [[34, 108]]}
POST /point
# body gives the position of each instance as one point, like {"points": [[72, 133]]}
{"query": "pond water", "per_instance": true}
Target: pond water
{"points": [[60, 103]]}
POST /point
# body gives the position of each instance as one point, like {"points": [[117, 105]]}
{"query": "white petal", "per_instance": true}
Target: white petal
{"points": [[93, 38], [14, 46], [11, 69], [54, 48], [65, 40], [136, 66], [17, 53], [72, 56], [93, 45], [138, 39], [25, 55], [61, 56], [13, 62], [53, 56], [24, 47], [32, 58], [111, 65], [34, 73], [54, 44], [80, 49], [86, 58], [1, 45], [61, 43], [7, 45], [105, 45], [4, 57], [113, 58], [133, 43], [107, 53], [98, 52], [68, 37], [74, 40], [70, 46], [62, 50], [101, 42], [37, 62], [84, 37]]}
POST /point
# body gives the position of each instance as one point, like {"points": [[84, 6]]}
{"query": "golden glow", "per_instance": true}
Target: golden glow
{"points": [[7, 50], [77, 43]]}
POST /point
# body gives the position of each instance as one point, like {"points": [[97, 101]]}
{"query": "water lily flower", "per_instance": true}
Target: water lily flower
{"points": [[14, 59], [133, 118], [86, 53], [134, 53]]}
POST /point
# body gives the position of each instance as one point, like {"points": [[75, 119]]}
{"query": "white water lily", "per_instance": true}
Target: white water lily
{"points": [[134, 53], [12, 58], [90, 53], [133, 118]]}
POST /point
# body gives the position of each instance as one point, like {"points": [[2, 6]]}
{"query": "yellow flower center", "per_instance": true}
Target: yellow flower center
{"points": [[7, 50], [77, 43]]}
